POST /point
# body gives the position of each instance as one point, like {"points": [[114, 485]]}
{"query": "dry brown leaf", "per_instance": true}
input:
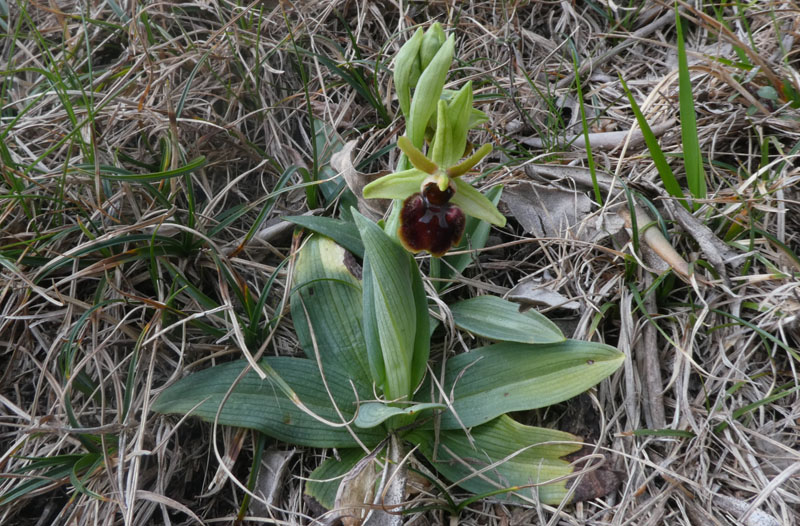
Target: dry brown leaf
{"points": [[547, 211], [532, 292], [342, 162]]}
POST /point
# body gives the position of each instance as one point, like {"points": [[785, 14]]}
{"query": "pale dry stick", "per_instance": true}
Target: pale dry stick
{"points": [[626, 345], [605, 140], [142, 431], [737, 507], [616, 50], [752, 511], [648, 351]]}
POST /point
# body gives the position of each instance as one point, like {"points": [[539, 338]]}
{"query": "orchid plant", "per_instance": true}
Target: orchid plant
{"points": [[367, 385], [435, 196]]}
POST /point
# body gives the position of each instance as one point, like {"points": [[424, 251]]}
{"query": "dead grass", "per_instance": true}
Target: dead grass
{"points": [[113, 288]]}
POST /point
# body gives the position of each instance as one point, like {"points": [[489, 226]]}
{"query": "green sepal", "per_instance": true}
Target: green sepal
{"points": [[397, 185], [440, 147], [475, 204], [476, 233]]}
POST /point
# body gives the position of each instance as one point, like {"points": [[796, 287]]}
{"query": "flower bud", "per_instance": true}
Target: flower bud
{"points": [[431, 42]]}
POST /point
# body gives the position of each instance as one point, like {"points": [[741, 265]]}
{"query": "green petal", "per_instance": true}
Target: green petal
{"points": [[398, 185], [475, 204], [415, 156], [441, 141], [467, 164]]}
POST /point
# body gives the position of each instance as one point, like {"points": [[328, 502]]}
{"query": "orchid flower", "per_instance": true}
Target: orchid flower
{"points": [[435, 197]]}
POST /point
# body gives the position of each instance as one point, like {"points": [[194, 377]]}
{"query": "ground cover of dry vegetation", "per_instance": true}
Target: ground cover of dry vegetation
{"points": [[149, 151]]}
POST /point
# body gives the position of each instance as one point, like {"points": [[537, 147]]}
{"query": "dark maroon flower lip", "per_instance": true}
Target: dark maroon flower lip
{"points": [[428, 221]]}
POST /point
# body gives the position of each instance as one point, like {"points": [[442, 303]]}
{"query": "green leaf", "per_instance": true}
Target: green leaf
{"points": [[374, 352], [767, 92], [475, 204], [692, 160], [373, 414], [344, 233], [504, 377], [326, 286], [398, 185], [120, 174], [664, 171], [60, 468], [422, 338], [501, 320], [507, 454], [261, 405], [394, 306], [323, 482], [428, 92]]}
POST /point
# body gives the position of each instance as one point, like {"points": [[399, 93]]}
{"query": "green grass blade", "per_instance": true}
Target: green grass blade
{"points": [[664, 171], [692, 160]]}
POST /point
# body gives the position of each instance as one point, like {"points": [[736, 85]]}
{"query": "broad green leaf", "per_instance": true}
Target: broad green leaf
{"points": [[476, 232], [373, 414], [343, 232], [504, 377], [428, 91], [373, 341], [261, 405], [505, 454], [395, 310], [501, 320], [323, 482], [327, 287], [475, 204], [422, 338]]}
